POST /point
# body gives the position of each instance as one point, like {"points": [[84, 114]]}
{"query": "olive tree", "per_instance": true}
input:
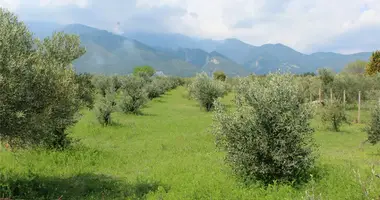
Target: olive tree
{"points": [[268, 137], [373, 129], [334, 115], [219, 75], [133, 94], [40, 97], [206, 90]]}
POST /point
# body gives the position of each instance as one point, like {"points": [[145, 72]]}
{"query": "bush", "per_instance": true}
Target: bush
{"points": [[334, 115], [39, 93], [206, 90], [133, 95], [268, 137], [373, 128]]}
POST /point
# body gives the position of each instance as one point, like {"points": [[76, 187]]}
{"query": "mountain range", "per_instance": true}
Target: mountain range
{"points": [[176, 54]]}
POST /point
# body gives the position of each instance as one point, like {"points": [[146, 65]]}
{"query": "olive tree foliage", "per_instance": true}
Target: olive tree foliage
{"points": [[159, 85], [268, 137], [373, 128], [144, 71], [106, 99], [105, 106], [308, 87], [86, 89], [219, 75], [40, 97], [103, 84], [327, 78], [356, 67], [206, 90], [133, 94], [334, 115], [373, 66]]}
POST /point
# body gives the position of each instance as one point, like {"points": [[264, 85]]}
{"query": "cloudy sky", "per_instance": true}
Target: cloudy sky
{"points": [[344, 26]]}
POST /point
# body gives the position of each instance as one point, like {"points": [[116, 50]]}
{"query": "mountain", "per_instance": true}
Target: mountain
{"points": [[109, 53], [257, 59], [177, 54]]}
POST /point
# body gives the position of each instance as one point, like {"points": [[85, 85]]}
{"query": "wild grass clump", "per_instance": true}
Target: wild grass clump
{"points": [[268, 138], [206, 90]]}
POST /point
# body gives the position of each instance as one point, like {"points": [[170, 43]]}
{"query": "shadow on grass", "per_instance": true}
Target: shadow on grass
{"points": [[81, 186]]}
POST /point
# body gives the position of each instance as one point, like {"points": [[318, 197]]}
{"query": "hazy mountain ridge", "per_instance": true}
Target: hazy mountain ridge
{"points": [[176, 54]]}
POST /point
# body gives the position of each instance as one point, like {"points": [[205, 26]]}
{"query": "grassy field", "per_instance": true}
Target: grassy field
{"points": [[169, 153]]}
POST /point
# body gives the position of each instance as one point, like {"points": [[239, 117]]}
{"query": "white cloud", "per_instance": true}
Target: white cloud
{"points": [[300, 24], [57, 3], [10, 4]]}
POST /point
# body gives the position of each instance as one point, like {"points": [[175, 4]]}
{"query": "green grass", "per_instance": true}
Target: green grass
{"points": [[169, 153]]}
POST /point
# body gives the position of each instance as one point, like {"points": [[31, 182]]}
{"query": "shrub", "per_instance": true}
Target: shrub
{"points": [[268, 137], [133, 95], [373, 128], [373, 66], [219, 75], [334, 115], [39, 93], [206, 90]]}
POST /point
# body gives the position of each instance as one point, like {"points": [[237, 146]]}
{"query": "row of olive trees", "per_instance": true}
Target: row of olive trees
{"points": [[40, 95], [128, 94]]}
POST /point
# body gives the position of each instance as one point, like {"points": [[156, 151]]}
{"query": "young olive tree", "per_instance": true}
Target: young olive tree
{"points": [[268, 137], [334, 115], [105, 106], [206, 90], [40, 97], [133, 94], [373, 129]]}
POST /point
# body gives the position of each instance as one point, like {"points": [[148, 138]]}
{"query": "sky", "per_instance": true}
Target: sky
{"points": [[344, 26]]}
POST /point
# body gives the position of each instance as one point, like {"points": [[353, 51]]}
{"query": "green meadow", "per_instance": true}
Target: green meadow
{"points": [[168, 152]]}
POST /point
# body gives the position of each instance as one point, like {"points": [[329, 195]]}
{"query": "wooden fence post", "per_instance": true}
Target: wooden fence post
{"points": [[359, 108], [311, 98], [344, 97]]}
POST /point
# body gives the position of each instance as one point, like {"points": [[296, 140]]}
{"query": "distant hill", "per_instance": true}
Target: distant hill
{"points": [[176, 54], [257, 59], [108, 53]]}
